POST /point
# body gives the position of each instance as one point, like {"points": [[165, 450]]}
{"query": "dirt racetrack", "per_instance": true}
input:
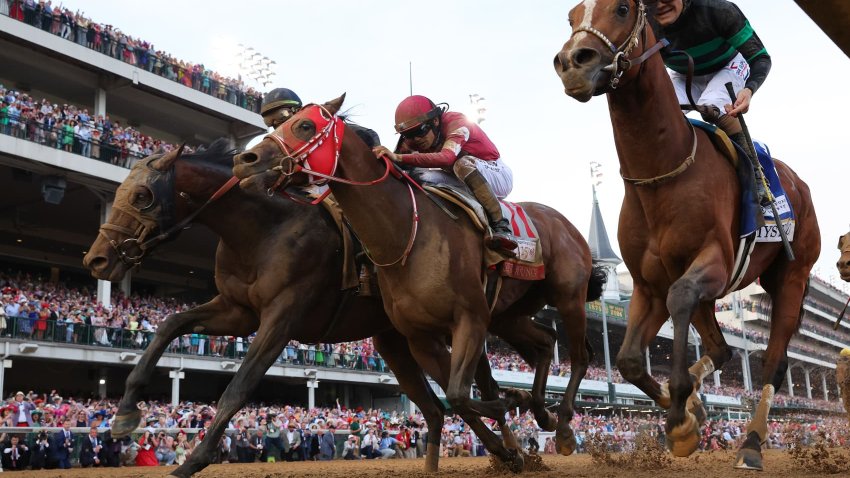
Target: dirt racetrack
{"points": [[778, 464]]}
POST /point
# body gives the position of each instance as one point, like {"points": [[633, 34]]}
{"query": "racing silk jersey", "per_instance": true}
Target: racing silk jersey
{"points": [[461, 136], [713, 32]]}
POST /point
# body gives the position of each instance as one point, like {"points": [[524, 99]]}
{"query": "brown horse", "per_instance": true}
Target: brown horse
{"points": [[431, 266], [844, 260], [263, 285], [678, 234]]}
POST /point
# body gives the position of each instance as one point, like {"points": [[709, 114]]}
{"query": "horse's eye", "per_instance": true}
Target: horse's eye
{"points": [[623, 10]]}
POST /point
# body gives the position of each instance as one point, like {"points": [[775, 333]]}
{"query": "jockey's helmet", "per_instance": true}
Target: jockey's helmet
{"points": [[279, 105], [413, 111]]}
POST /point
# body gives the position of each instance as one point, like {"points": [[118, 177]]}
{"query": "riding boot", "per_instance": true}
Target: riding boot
{"points": [[732, 127], [501, 238]]}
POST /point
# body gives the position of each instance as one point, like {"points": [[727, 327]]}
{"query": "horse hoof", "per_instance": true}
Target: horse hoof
{"points": [[749, 459], [126, 423], [566, 445], [695, 406], [684, 439], [517, 464], [517, 398]]}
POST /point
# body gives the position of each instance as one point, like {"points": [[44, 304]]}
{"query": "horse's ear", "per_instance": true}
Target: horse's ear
{"points": [[164, 162], [334, 105], [840, 240]]}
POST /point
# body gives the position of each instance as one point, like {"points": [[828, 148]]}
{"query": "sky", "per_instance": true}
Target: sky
{"points": [[502, 51]]}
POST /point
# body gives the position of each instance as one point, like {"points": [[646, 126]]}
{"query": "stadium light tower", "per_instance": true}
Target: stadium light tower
{"points": [[252, 64], [478, 108]]}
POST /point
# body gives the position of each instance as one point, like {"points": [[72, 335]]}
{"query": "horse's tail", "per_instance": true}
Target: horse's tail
{"points": [[598, 278]]}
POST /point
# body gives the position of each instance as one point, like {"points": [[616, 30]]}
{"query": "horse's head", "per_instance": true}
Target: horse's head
{"points": [[604, 46], [844, 261], [143, 207], [305, 149]]}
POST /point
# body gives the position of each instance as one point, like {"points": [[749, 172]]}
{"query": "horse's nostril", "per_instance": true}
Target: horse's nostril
{"points": [[584, 56], [246, 158], [96, 263]]}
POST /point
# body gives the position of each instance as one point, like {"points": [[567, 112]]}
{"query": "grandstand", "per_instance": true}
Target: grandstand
{"points": [[55, 195]]}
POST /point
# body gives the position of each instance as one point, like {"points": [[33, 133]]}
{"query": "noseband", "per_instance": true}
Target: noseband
{"points": [[621, 62]]}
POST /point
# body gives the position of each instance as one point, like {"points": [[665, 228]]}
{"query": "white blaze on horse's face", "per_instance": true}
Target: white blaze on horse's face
{"points": [[587, 17]]}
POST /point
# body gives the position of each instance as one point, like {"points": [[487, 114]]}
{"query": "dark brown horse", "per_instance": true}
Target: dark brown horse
{"points": [[263, 285], [678, 236], [431, 266]]}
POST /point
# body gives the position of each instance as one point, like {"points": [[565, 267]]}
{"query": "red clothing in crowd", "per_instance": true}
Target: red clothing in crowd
{"points": [[147, 455]]}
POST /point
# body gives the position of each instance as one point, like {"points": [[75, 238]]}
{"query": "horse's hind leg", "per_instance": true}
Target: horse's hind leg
{"points": [[394, 349], [646, 316], [787, 294], [265, 349], [214, 317]]}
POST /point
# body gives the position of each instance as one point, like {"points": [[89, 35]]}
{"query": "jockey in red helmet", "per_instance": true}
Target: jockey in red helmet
{"points": [[432, 137]]}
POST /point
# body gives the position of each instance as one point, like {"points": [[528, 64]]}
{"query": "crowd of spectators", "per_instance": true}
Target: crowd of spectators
{"points": [[113, 42], [74, 129], [274, 432]]}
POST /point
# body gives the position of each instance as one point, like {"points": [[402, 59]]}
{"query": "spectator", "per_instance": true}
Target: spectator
{"points": [[22, 407], [165, 453], [386, 447], [91, 450], [350, 448], [15, 454], [147, 445], [292, 442], [38, 451], [327, 446], [62, 447]]}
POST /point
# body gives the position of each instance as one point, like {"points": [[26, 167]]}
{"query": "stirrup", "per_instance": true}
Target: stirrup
{"points": [[502, 243]]}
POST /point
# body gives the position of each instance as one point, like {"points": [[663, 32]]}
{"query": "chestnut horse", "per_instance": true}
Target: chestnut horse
{"points": [[263, 285], [844, 260], [678, 234], [430, 266]]}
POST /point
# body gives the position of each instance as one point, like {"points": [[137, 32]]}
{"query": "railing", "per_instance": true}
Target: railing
{"points": [[55, 137], [198, 345], [146, 59]]}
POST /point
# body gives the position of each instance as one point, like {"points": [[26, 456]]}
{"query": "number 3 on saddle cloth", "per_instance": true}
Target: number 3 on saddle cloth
{"points": [[528, 263]]}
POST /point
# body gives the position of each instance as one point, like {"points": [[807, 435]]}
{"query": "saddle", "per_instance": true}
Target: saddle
{"points": [[528, 263]]}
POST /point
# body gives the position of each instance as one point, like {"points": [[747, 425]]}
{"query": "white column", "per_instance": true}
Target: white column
{"points": [[823, 384], [790, 382], [312, 385], [104, 288], [176, 376], [808, 384], [717, 378], [7, 363], [346, 395], [745, 371], [125, 283], [555, 326], [648, 366], [100, 101]]}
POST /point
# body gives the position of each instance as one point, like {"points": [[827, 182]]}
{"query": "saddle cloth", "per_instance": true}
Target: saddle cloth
{"points": [[528, 264], [749, 204]]}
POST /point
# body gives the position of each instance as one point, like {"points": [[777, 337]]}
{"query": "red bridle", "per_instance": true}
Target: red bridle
{"points": [[319, 158]]}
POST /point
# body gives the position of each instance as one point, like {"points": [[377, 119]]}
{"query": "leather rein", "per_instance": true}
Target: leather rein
{"points": [[296, 158]]}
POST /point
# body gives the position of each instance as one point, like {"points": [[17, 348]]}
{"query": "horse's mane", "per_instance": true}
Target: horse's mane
{"points": [[218, 152], [368, 135]]}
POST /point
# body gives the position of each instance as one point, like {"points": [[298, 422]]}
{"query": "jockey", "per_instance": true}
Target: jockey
{"points": [[725, 48], [432, 137], [278, 106]]}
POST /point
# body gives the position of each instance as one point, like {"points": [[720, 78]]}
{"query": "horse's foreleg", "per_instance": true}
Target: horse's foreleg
{"points": [[490, 391], [575, 325], [535, 343], [265, 349], [702, 280], [435, 360], [646, 316], [394, 349], [214, 317]]}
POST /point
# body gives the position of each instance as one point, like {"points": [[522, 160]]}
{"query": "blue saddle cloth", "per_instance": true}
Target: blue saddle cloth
{"points": [[749, 200]]}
